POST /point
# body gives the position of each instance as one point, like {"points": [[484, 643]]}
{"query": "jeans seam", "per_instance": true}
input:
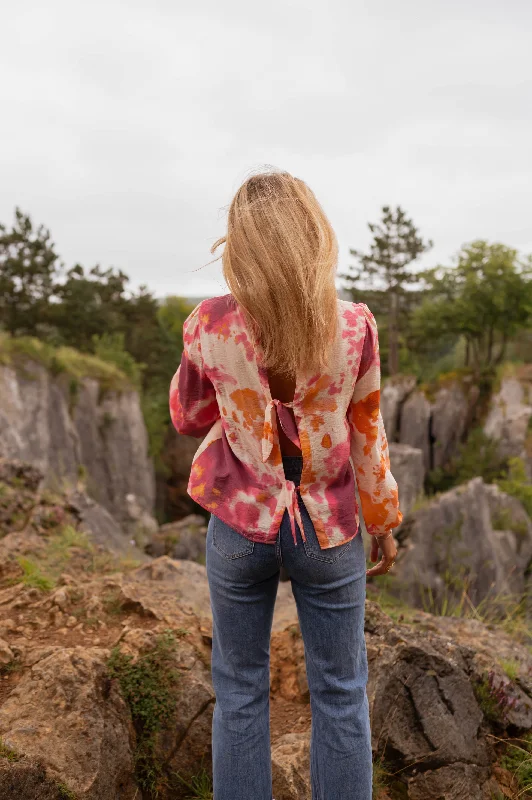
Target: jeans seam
{"points": [[278, 552]]}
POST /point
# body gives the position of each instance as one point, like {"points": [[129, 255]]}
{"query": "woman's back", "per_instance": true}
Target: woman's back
{"points": [[223, 391], [277, 470]]}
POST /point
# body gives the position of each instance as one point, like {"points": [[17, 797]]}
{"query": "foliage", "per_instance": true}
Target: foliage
{"points": [[110, 347], [33, 576], [64, 792], [199, 786], [63, 360], [478, 456], [518, 761], [386, 272], [517, 483], [79, 313], [149, 686], [7, 753], [486, 299], [28, 263]]}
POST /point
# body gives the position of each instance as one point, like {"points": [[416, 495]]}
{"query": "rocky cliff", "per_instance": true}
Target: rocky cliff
{"points": [[437, 419], [71, 426], [105, 688]]}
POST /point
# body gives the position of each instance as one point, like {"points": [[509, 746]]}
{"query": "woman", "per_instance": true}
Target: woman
{"points": [[283, 380]]}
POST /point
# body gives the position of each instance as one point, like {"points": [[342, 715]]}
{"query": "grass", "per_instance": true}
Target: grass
{"points": [[64, 792], [7, 753], [149, 686], [518, 761], [63, 360], [486, 699], [510, 667], [33, 576], [502, 520], [380, 777], [199, 786], [62, 545], [517, 484]]}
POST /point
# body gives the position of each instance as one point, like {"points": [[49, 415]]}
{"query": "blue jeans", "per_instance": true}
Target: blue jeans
{"points": [[329, 587]]}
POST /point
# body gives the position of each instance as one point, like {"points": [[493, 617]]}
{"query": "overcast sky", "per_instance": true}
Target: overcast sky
{"points": [[127, 126]]}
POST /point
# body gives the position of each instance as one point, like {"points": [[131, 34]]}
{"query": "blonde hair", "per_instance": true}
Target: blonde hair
{"points": [[279, 261]]}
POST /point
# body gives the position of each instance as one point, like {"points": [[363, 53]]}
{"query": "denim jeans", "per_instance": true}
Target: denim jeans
{"points": [[329, 587]]}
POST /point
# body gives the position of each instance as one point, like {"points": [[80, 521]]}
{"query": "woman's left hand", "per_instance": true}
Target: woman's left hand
{"points": [[388, 548]]}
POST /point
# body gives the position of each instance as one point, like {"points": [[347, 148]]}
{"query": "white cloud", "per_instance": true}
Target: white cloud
{"points": [[127, 127]]}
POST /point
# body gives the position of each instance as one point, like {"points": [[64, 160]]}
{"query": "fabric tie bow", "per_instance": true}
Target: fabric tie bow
{"points": [[270, 426], [289, 495], [289, 490]]}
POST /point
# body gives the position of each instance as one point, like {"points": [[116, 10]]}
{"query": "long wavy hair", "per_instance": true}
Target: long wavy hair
{"points": [[279, 261]]}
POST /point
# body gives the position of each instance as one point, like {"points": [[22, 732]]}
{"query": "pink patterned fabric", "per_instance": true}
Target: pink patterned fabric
{"points": [[221, 392]]}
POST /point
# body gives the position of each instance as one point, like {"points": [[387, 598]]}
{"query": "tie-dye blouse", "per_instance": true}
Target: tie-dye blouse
{"points": [[221, 392]]}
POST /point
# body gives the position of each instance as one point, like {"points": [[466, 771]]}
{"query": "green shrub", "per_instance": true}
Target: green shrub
{"points": [[33, 576], [149, 686], [7, 753], [517, 484], [477, 457], [59, 360], [518, 761], [110, 347]]}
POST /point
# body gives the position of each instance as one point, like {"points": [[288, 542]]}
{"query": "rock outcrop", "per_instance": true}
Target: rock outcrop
{"points": [[472, 539], [434, 421], [80, 646], [408, 470], [71, 428], [509, 420]]}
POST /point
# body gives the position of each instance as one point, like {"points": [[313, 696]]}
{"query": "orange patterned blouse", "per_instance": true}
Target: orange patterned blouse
{"points": [[221, 392]]}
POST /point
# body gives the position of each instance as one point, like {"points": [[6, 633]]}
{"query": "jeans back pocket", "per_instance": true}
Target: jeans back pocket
{"points": [[312, 546], [228, 542]]}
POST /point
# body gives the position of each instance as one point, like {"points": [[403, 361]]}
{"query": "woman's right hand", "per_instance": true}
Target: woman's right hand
{"points": [[386, 544]]}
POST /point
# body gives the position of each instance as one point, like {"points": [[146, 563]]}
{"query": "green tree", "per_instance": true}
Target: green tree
{"points": [[29, 267], [486, 299], [90, 303], [384, 277]]}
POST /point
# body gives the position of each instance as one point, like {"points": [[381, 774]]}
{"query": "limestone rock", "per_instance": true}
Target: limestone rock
{"points": [[103, 528], [508, 420], [449, 419], [409, 472], [6, 654], [183, 539], [473, 536], [138, 523], [393, 395], [291, 767], [414, 427], [63, 435], [66, 713]]}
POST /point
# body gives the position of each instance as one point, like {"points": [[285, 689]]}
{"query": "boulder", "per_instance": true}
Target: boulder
{"points": [[183, 539], [409, 472], [138, 523], [66, 713], [473, 538], [291, 767]]}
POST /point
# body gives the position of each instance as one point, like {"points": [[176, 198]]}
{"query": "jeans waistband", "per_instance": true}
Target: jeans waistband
{"points": [[293, 467]]}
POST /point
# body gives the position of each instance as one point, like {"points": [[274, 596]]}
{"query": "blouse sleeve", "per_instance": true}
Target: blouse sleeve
{"points": [[193, 404], [369, 445]]}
